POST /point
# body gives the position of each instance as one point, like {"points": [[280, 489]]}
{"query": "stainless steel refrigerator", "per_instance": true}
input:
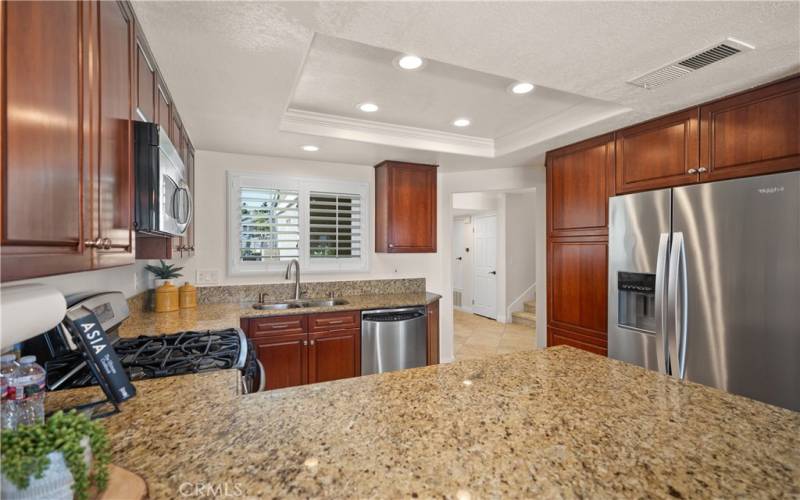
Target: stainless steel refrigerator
{"points": [[704, 284]]}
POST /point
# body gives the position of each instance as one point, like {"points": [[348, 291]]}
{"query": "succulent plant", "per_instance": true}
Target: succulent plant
{"points": [[164, 271]]}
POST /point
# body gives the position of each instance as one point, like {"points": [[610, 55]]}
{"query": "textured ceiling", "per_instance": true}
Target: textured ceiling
{"points": [[232, 67]]}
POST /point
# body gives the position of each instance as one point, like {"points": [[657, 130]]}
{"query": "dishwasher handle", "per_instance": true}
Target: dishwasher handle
{"points": [[386, 315]]}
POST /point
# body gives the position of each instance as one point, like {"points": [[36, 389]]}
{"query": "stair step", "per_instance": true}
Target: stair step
{"points": [[523, 318], [530, 307]]}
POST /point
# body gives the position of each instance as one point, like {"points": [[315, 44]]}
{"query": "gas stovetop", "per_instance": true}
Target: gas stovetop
{"points": [[162, 356]]}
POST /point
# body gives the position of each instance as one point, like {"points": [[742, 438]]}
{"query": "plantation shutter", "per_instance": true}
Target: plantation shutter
{"points": [[334, 226], [269, 226]]}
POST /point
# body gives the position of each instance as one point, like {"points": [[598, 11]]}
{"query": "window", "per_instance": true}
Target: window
{"points": [[274, 219]]}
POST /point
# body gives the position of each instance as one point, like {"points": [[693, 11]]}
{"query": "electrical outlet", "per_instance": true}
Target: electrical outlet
{"points": [[207, 277]]}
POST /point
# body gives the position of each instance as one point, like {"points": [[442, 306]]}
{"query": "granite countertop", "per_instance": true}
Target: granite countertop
{"points": [[226, 315], [556, 423]]}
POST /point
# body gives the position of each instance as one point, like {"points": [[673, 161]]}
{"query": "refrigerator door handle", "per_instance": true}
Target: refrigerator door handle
{"points": [[661, 304], [676, 307]]}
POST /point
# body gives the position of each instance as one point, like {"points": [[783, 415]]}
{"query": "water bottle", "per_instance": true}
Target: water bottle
{"points": [[8, 407], [29, 395]]}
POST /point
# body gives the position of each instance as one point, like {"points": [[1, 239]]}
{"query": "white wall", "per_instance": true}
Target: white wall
{"points": [[478, 202], [211, 218], [520, 254]]}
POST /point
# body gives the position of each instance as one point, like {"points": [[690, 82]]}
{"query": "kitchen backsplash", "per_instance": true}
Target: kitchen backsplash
{"points": [[282, 291]]}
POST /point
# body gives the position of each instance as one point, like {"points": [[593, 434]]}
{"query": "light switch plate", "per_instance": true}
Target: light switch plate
{"points": [[207, 277]]}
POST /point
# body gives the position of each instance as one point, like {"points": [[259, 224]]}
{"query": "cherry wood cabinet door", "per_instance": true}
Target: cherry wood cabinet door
{"points": [[333, 355], [579, 182], [433, 333], [284, 358], [587, 343], [658, 154], [163, 106], [112, 184], [405, 201], [43, 215], [757, 132], [145, 84], [578, 287]]}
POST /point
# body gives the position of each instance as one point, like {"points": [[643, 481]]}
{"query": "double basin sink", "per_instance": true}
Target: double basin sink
{"points": [[298, 304]]}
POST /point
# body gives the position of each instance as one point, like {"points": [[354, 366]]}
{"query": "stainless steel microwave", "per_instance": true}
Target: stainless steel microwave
{"points": [[164, 204]]}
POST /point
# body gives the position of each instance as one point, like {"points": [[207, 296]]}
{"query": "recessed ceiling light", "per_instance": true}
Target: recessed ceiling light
{"points": [[409, 62], [521, 88], [368, 107], [310, 148], [461, 122]]}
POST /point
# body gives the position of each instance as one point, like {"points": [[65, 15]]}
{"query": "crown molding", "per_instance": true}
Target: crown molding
{"points": [[340, 127]]}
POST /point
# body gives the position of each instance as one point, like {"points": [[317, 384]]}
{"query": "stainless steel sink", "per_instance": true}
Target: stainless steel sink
{"points": [[297, 304]]}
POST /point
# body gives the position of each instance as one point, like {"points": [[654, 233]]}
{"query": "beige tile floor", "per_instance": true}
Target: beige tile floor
{"points": [[477, 337]]}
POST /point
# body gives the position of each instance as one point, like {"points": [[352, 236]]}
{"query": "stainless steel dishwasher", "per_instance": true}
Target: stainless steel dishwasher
{"points": [[393, 339]]}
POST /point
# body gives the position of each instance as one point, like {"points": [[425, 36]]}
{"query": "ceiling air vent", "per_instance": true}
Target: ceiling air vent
{"points": [[683, 67]]}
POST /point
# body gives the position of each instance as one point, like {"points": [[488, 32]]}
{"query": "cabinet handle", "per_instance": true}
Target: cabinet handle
{"points": [[335, 321], [692, 170], [305, 342], [98, 243], [702, 169]]}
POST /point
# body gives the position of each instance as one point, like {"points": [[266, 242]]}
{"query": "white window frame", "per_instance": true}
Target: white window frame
{"points": [[304, 186]]}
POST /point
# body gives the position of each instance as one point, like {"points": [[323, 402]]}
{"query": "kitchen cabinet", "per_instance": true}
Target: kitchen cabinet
{"points": [[433, 332], [305, 349], [658, 154], [163, 105], [145, 83], [284, 358], [579, 182], [578, 288], [112, 182], [405, 207], [43, 144], [752, 133]]}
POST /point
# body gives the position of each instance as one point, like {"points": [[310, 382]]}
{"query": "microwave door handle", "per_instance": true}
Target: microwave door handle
{"points": [[677, 302], [190, 206], [661, 302]]}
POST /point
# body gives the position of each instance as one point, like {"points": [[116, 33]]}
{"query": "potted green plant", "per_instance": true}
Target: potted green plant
{"points": [[62, 458], [163, 272]]}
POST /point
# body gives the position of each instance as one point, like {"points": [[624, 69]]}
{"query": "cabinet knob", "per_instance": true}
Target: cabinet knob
{"points": [[305, 342], [702, 169], [391, 245], [98, 243], [692, 170], [312, 342], [107, 243]]}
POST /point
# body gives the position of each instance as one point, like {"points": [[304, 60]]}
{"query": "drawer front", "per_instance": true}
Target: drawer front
{"points": [[279, 325], [323, 322]]}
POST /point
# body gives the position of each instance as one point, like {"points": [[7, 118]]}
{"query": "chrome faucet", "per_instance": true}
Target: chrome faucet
{"points": [[296, 263]]}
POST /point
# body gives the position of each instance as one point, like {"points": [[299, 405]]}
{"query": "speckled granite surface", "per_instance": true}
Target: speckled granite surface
{"points": [[226, 315], [555, 423]]}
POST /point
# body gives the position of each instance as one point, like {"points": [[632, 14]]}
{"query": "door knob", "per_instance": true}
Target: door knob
{"points": [[493, 272]]}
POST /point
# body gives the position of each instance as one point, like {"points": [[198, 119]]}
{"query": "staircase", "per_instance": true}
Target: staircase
{"points": [[525, 317]]}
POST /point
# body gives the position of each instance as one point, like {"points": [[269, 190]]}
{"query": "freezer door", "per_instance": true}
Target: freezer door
{"points": [[638, 238], [741, 242]]}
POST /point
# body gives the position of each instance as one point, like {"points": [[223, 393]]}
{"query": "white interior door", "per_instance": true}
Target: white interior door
{"points": [[458, 255], [485, 265]]}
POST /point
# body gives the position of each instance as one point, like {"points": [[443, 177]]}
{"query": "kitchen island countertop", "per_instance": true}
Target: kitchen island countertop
{"points": [[557, 422]]}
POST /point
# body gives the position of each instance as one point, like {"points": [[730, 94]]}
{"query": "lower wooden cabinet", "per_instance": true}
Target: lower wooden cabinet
{"points": [[305, 349], [284, 360], [333, 355], [433, 333]]}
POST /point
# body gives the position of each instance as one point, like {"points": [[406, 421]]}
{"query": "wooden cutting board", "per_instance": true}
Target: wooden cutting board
{"points": [[123, 485]]}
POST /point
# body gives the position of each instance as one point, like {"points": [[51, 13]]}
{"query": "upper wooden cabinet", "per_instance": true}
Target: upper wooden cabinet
{"points": [[579, 182], [752, 133], [659, 153], [405, 207], [45, 136], [145, 84]]}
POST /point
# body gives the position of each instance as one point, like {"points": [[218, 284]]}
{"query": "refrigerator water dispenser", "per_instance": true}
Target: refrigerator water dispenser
{"points": [[637, 301]]}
